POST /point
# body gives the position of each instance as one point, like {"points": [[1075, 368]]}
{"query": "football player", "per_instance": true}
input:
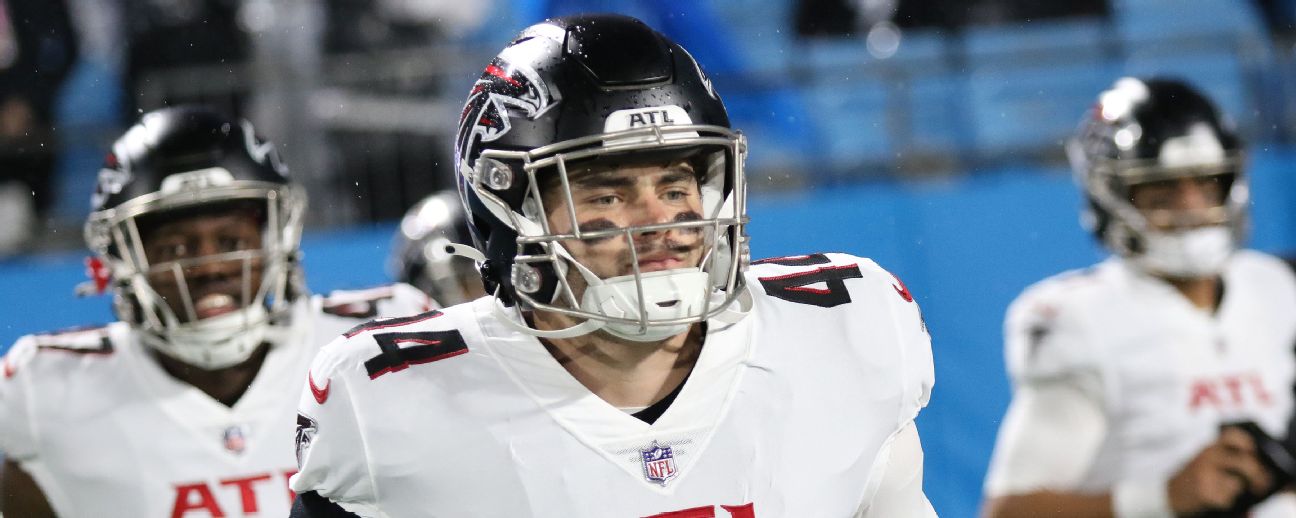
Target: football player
{"points": [[1154, 383], [424, 251], [631, 362], [184, 406]]}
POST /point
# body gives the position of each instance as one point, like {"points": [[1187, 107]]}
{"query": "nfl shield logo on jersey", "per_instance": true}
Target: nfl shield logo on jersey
{"points": [[235, 439], [658, 463]]}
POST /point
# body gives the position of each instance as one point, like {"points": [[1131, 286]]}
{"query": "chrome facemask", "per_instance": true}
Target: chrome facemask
{"points": [[222, 340], [640, 306]]}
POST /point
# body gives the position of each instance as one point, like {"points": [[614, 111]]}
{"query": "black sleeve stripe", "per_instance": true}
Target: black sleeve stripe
{"points": [[104, 346], [386, 323], [796, 260], [311, 505]]}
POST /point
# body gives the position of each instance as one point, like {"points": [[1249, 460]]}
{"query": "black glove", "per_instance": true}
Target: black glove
{"points": [[1276, 459]]}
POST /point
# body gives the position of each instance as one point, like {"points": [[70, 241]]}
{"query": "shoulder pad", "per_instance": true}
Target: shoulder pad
{"points": [[393, 344], [86, 340], [391, 323], [819, 279], [1044, 329], [390, 299], [82, 340], [355, 303], [820, 258]]}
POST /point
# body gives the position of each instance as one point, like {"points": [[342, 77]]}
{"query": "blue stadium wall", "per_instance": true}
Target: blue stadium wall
{"points": [[965, 248]]}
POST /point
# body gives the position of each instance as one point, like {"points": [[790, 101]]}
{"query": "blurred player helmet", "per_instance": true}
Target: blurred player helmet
{"points": [[583, 89], [424, 249], [1153, 130], [184, 161]]}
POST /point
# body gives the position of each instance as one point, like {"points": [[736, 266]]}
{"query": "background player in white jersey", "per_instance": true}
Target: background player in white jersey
{"points": [[1129, 376], [631, 363], [424, 249], [184, 406]]}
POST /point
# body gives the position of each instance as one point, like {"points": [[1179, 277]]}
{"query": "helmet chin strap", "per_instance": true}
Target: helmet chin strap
{"points": [[217, 342], [619, 297], [583, 328], [512, 320], [211, 343], [1198, 252], [660, 295]]}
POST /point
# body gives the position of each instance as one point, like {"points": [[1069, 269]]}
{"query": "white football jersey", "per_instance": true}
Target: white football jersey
{"points": [[1166, 373], [106, 432], [788, 412]]}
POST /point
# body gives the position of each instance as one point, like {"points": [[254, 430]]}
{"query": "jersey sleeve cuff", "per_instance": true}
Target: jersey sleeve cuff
{"points": [[1141, 499]]}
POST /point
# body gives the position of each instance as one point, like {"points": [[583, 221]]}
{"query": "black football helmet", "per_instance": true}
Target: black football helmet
{"points": [[424, 249], [582, 89], [1150, 130], [184, 161]]}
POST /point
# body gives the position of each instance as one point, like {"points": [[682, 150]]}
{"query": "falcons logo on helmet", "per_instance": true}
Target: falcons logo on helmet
{"points": [[502, 87], [113, 177]]}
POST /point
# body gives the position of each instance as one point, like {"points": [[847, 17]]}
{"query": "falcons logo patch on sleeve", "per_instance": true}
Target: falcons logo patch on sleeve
{"points": [[306, 429]]}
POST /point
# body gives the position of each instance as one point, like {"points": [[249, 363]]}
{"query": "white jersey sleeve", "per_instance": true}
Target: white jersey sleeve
{"points": [[895, 487], [899, 489], [879, 296], [330, 447], [1048, 439], [1056, 422], [1044, 333], [916, 349], [17, 427]]}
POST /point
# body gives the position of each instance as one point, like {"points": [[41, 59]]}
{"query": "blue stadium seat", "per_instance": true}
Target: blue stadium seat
{"points": [[767, 41], [1143, 22], [851, 120], [1076, 38], [937, 107], [767, 55], [832, 55], [921, 46], [1029, 84], [1033, 108], [917, 48]]}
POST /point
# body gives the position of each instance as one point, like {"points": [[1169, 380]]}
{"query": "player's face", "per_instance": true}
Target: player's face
{"points": [[1180, 202], [630, 195], [197, 255]]}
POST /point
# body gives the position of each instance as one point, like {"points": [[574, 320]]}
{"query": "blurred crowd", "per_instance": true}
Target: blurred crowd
{"points": [[353, 89], [342, 83]]}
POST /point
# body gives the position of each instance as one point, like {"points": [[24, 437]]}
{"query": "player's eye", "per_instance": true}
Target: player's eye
{"points": [[232, 244], [679, 194], [1160, 201], [170, 251]]}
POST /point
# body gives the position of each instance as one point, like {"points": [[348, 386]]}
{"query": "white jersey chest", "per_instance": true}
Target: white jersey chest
{"points": [[1176, 373]]}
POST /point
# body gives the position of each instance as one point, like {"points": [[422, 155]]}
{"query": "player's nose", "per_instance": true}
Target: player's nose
{"points": [[1193, 194], [208, 265], [650, 210]]}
